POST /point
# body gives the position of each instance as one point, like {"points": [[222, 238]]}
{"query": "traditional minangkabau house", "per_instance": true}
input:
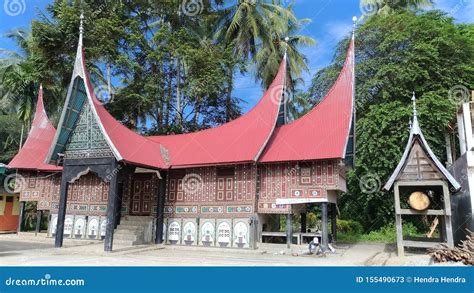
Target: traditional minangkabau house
{"points": [[216, 187]]}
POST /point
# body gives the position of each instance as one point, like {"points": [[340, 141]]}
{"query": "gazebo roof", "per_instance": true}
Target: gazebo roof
{"points": [[416, 138]]}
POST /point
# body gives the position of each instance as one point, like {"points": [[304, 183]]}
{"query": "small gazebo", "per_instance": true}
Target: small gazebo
{"points": [[421, 186]]}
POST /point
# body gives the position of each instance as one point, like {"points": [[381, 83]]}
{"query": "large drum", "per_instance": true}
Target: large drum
{"points": [[419, 201]]}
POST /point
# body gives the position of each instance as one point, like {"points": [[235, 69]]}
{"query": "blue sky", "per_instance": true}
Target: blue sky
{"points": [[331, 21]]}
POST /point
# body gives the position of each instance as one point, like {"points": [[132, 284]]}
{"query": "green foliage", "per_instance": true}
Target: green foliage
{"points": [[395, 55], [386, 234], [384, 7], [349, 226], [10, 132]]}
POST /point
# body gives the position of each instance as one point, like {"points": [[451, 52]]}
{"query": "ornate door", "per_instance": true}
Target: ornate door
{"points": [[142, 195]]}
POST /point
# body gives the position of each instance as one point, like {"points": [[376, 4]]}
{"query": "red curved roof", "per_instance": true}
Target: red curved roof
{"points": [[33, 153], [241, 140], [126, 144], [323, 132]]}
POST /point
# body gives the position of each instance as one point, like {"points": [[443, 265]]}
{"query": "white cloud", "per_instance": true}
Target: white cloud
{"points": [[461, 10]]}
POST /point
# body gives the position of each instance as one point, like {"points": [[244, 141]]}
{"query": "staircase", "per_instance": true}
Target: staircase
{"points": [[134, 230]]}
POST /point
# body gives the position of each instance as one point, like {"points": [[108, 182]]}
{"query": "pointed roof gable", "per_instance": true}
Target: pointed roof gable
{"points": [[125, 144], [33, 153], [241, 140], [323, 132], [417, 142]]}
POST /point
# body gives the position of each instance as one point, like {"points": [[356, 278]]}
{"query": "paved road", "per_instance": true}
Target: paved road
{"points": [[8, 246], [35, 252]]}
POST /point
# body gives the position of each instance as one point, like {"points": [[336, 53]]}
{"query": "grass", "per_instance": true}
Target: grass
{"points": [[352, 233]]}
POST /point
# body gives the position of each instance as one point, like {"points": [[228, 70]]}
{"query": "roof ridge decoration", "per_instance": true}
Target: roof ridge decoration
{"points": [[125, 144], [416, 135], [34, 151]]}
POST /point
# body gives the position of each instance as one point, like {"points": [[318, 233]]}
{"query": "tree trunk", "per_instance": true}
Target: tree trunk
{"points": [[170, 94], [109, 82], [178, 93], [228, 102]]}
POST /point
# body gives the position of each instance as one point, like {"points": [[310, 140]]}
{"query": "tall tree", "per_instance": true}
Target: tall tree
{"points": [[385, 7]]}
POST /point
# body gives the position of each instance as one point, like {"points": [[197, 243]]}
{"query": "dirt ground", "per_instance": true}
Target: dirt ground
{"points": [[28, 250]]}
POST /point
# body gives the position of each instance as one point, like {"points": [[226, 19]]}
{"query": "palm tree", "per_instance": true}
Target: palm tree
{"points": [[385, 7], [257, 30], [284, 39], [17, 76], [247, 24]]}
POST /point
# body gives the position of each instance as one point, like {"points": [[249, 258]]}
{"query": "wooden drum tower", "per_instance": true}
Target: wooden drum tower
{"points": [[422, 188]]}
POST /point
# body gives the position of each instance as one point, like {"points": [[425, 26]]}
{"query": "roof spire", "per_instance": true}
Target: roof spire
{"points": [[354, 23], [81, 27], [414, 104], [415, 127], [285, 56]]}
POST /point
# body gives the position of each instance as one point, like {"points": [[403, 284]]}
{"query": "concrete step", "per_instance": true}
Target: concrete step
{"points": [[127, 242], [128, 237], [128, 232], [137, 219], [131, 230], [139, 223], [131, 226]]}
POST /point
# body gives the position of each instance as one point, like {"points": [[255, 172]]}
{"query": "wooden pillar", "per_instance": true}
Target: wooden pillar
{"points": [[39, 217], [303, 222], [398, 221], [334, 222], [160, 209], [324, 226], [289, 230], [58, 241], [21, 216], [253, 232], [447, 218], [118, 208], [111, 210]]}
